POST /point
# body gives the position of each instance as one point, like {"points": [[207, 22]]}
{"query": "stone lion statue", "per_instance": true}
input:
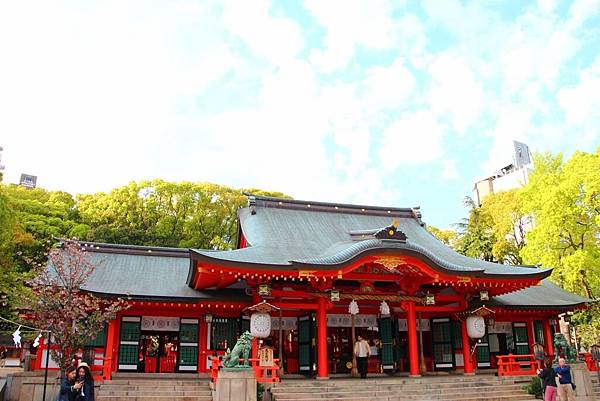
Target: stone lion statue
{"points": [[241, 350]]}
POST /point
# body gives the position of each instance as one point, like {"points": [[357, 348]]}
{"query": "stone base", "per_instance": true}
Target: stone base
{"points": [[583, 381], [236, 385]]}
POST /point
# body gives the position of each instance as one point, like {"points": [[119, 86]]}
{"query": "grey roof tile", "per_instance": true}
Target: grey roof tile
{"points": [[292, 235]]}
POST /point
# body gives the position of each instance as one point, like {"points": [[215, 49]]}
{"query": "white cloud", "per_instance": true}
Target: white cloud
{"points": [[276, 39], [581, 103], [351, 23], [454, 91], [449, 170], [414, 138], [389, 87]]}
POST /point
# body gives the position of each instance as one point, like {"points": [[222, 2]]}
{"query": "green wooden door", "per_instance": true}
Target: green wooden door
{"points": [[386, 335], [483, 352], [306, 344], [188, 345], [521, 338], [443, 346], [129, 343], [399, 346]]}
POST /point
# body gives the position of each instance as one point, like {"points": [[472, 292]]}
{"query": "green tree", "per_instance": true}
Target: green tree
{"points": [[161, 213], [448, 237], [476, 235], [508, 223], [564, 200]]}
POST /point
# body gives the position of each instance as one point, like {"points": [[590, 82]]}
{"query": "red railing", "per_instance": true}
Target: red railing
{"points": [[517, 365], [591, 364], [263, 374]]}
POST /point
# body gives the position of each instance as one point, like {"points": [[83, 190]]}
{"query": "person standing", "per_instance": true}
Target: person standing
{"points": [[69, 387], [548, 376], [566, 388], [362, 350]]}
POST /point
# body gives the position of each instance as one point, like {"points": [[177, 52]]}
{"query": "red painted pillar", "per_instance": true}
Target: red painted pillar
{"points": [[322, 368], [110, 352], [202, 345], [413, 346], [466, 348], [548, 337]]}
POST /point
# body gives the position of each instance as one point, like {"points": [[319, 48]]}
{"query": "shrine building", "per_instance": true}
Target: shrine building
{"points": [[311, 260]]}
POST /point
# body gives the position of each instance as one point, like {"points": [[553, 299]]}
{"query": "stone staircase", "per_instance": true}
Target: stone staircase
{"points": [[165, 388], [595, 384], [464, 388]]}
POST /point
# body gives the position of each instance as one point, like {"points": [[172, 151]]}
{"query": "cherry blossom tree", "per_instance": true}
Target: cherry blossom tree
{"points": [[60, 305]]}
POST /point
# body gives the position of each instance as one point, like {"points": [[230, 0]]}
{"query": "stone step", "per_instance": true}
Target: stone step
{"points": [[407, 396], [422, 398], [404, 389], [399, 381], [156, 382], [152, 398], [154, 392], [164, 387], [421, 387]]}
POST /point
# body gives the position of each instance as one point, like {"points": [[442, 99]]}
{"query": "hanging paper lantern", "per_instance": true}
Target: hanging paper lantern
{"points": [[384, 308], [476, 326], [353, 308], [260, 325]]}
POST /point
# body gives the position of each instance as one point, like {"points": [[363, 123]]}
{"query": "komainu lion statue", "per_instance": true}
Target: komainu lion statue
{"points": [[240, 351]]}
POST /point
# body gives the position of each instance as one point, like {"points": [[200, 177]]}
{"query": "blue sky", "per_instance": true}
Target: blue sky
{"points": [[398, 103]]}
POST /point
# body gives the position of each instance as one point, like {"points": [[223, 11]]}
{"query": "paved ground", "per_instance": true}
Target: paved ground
{"points": [[6, 371]]}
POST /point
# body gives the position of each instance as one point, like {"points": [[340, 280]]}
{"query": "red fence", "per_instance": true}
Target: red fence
{"points": [[517, 365], [263, 374]]}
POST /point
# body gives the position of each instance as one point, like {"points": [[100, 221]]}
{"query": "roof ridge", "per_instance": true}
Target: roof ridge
{"points": [[127, 249], [295, 204]]}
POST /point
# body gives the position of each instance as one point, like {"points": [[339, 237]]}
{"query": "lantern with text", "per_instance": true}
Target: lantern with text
{"points": [[429, 299], [334, 295], [476, 326], [484, 295], [260, 319]]}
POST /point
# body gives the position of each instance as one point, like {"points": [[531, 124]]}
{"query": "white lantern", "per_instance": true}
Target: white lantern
{"points": [[353, 308], [476, 326], [384, 309], [260, 325]]}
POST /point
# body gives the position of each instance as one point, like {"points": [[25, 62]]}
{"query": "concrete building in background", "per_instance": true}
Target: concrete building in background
{"points": [[512, 174]]}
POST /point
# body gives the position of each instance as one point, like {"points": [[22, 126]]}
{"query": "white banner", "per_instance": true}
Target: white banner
{"points": [[345, 320], [287, 323], [425, 323], [501, 328], [160, 323]]}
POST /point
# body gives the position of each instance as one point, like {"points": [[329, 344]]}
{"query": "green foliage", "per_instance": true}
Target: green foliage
{"points": [[476, 236], [448, 237], [509, 222], [161, 213], [534, 387], [564, 200]]}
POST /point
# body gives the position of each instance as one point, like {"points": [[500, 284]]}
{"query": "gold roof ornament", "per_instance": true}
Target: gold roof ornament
{"points": [[261, 307]]}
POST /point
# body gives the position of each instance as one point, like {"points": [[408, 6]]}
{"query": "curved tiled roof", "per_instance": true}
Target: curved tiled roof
{"points": [[286, 234], [545, 295]]}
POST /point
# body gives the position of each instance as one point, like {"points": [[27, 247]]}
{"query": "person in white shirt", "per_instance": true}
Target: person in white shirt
{"points": [[362, 350]]}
